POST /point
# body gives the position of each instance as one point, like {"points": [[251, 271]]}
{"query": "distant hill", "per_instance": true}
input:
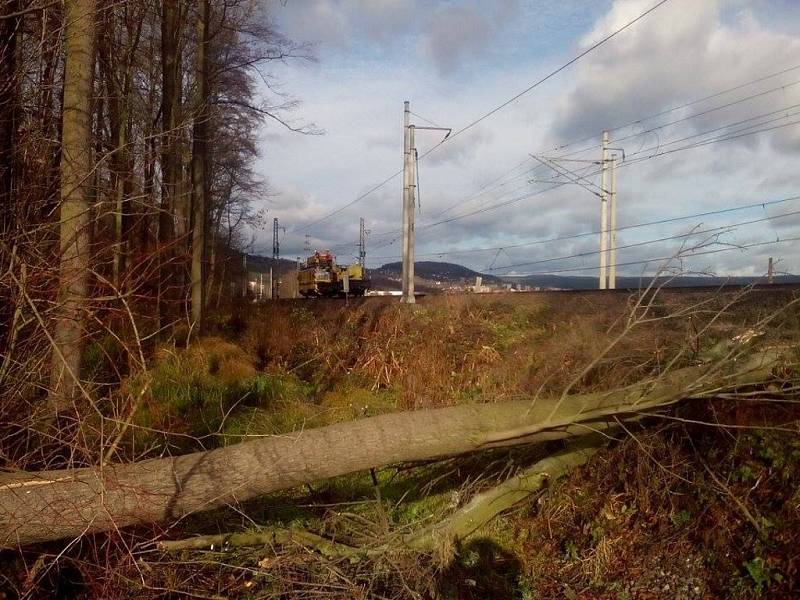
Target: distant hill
{"points": [[388, 276], [590, 283], [454, 273], [262, 264], [438, 271]]}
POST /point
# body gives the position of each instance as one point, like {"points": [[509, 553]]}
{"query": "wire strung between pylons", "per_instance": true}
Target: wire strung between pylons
{"points": [[493, 111], [574, 236], [677, 256], [616, 140], [631, 160], [715, 230]]}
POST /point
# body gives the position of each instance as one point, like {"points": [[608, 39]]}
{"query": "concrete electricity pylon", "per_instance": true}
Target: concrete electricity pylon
{"points": [[612, 243], [606, 191], [276, 255], [410, 178], [604, 214], [608, 217], [362, 244], [408, 206]]}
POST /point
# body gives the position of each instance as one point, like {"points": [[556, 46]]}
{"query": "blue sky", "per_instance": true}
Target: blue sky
{"points": [[456, 60]]}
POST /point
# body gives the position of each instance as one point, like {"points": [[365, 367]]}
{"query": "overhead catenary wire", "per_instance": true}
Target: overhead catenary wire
{"points": [[573, 236], [630, 123], [628, 162], [620, 165], [678, 256], [491, 112], [739, 134], [662, 126], [682, 106], [716, 230], [725, 138], [486, 188], [705, 112], [550, 75], [684, 119]]}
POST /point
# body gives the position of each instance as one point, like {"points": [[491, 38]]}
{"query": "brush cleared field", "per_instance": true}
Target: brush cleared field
{"points": [[699, 501]]}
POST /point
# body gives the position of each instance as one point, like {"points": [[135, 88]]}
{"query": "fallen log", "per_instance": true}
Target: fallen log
{"points": [[479, 511], [68, 503], [271, 537], [485, 506]]}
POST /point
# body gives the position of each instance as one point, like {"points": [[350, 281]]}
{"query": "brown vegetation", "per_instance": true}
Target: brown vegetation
{"points": [[309, 364]]}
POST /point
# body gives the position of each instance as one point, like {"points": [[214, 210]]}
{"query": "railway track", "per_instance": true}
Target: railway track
{"points": [[756, 289]]}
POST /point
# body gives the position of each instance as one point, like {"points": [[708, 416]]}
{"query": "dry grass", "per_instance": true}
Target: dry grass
{"points": [[644, 515]]}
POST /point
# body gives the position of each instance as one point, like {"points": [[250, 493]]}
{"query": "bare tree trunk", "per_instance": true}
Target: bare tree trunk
{"points": [[117, 78], [199, 167], [109, 69], [170, 157], [76, 177], [9, 103], [67, 503]]}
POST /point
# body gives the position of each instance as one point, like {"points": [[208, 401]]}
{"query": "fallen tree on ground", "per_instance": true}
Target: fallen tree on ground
{"points": [[481, 509], [66, 503]]}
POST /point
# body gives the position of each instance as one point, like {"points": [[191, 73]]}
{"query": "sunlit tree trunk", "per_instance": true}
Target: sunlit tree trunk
{"points": [[76, 176], [199, 166], [57, 504]]}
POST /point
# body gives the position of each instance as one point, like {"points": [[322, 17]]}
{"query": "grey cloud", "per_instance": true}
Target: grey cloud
{"points": [[678, 56], [684, 55], [315, 21], [381, 20], [460, 151], [452, 34], [339, 23]]}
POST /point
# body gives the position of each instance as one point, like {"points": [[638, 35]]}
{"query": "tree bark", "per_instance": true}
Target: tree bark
{"points": [[200, 167], [170, 152], [9, 103], [116, 65], [462, 523], [76, 177], [68, 503], [485, 506]]}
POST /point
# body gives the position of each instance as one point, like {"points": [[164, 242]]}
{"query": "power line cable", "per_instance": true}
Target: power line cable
{"points": [[627, 163], [687, 118], [683, 119], [547, 77], [717, 140], [682, 106], [703, 113], [623, 228], [492, 111], [623, 164], [665, 258], [563, 146], [721, 229]]}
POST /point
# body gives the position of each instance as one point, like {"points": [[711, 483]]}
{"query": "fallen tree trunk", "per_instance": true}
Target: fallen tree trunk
{"points": [[485, 506], [52, 505], [271, 537], [480, 510]]}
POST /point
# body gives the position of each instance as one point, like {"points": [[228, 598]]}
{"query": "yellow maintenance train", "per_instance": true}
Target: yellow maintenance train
{"points": [[320, 276]]}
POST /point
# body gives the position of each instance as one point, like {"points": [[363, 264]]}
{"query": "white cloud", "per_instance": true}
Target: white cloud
{"points": [[454, 33], [683, 51]]}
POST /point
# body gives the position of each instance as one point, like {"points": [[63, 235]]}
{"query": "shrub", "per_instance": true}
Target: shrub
{"points": [[192, 390]]}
